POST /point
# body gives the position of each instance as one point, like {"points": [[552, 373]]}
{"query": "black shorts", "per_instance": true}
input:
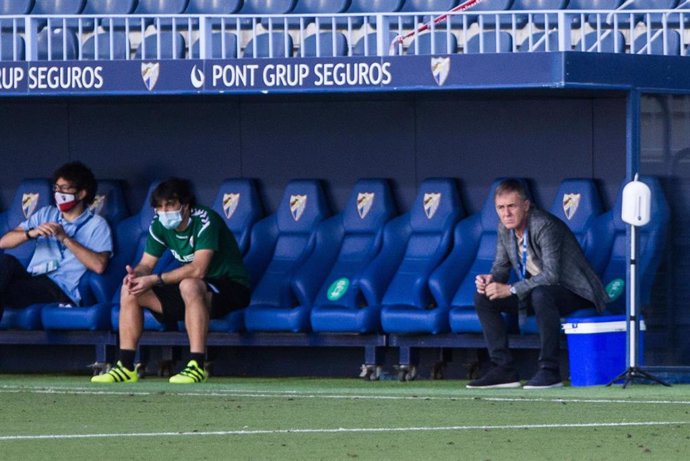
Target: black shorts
{"points": [[227, 296]]}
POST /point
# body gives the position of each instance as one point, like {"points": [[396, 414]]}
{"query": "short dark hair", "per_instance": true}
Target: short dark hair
{"points": [[511, 185], [81, 176], [173, 189]]}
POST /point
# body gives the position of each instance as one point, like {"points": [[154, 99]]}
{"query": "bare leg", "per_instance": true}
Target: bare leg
{"points": [[197, 301], [132, 316]]}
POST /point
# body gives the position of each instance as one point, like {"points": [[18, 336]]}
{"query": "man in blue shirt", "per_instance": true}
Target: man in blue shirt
{"points": [[70, 239]]}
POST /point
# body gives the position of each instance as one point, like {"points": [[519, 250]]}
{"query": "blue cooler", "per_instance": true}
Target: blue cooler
{"points": [[596, 348]]}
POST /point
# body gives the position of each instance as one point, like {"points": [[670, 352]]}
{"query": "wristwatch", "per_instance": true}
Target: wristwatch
{"points": [[28, 236], [160, 281], [513, 291]]}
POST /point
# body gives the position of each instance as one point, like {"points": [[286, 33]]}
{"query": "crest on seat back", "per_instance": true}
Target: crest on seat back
{"points": [[298, 203], [98, 204], [570, 204], [431, 202], [29, 203], [365, 200], [230, 202]]}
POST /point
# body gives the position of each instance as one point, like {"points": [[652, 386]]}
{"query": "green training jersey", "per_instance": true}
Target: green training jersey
{"points": [[206, 231]]}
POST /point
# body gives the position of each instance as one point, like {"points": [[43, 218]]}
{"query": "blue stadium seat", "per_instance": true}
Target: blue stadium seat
{"points": [[443, 43], [488, 20], [56, 45], [280, 244], [213, 6], [654, 18], [351, 240], [367, 6], [366, 46], [14, 8], [414, 246], [421, 6], [264, 7], [608, 42], [330, 44], [61, 8], [111, 7], [57, 7], [98, 46], [110, 201], [172, 46], [597, 18], [577, 203], [308, 7], [225, 7], [655, 43], [281, 43], [651, 239], [31, 195], [8, 52], [543, 20], [493, 42], [162, 8], [473, 253], [223, 46], [102, 291], [540, 42], [239, 204], [131, 235], [25, 318]]}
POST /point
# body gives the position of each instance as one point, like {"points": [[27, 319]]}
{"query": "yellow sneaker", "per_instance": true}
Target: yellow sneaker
{"points": [[117, 374], [190, 375]]}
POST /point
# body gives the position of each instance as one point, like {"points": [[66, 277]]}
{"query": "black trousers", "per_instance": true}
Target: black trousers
{"points": [[18, 288], [548, 303]]}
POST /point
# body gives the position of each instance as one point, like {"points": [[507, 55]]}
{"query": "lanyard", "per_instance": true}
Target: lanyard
{"points": [[77, 227], [523, 264]]}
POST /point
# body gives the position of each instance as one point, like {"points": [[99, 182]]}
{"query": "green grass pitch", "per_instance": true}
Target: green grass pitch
{"points": [[67, 418]]}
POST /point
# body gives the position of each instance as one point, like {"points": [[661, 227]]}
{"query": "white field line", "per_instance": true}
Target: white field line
{"points": [[130, 389], [340, 430]]}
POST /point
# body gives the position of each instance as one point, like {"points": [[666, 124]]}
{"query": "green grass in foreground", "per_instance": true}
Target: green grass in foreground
{"points": [[45, 417]]}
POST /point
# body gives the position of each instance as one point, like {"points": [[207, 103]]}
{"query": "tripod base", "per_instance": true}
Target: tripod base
{"points": [[633, 373]]}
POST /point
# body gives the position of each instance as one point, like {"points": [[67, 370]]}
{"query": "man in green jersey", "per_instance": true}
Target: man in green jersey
{"points": [[211, 282]]}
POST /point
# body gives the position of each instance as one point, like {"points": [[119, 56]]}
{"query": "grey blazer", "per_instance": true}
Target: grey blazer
{"points": [[555, 250]]}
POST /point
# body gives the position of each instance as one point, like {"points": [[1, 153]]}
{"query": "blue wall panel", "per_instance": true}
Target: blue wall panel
{"points": [[406, 137]]}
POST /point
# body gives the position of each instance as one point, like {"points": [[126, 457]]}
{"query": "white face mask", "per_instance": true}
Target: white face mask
{"points": [[170, 219]]}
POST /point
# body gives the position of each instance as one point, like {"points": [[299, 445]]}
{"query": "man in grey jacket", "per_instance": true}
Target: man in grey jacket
{"points": [[555, 279]]}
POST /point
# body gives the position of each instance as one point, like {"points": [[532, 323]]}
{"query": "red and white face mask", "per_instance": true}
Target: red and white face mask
{"points": [[64, 201]]}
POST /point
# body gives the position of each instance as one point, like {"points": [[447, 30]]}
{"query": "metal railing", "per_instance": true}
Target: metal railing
{"points": [[81, 37]]}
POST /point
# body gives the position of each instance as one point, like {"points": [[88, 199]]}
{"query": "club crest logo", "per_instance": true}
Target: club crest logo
{"points": [[570, 204], [230, 202], [197, 77], [440, 68], [98, 204], [29, 203], [431, 203], [298, 203], [364, 202], [149, 74]]}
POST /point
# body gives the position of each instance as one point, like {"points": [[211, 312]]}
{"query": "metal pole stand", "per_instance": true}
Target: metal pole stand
{"points": [[634, 372]]}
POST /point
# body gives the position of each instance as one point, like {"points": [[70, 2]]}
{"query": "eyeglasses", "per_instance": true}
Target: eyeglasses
{"points": [[64, 188]]}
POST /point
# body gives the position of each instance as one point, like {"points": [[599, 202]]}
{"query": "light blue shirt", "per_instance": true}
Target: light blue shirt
{"points": [[89, 229]]}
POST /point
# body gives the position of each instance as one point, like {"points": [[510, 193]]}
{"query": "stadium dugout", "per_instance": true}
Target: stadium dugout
{"points": [[405, 90]]}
